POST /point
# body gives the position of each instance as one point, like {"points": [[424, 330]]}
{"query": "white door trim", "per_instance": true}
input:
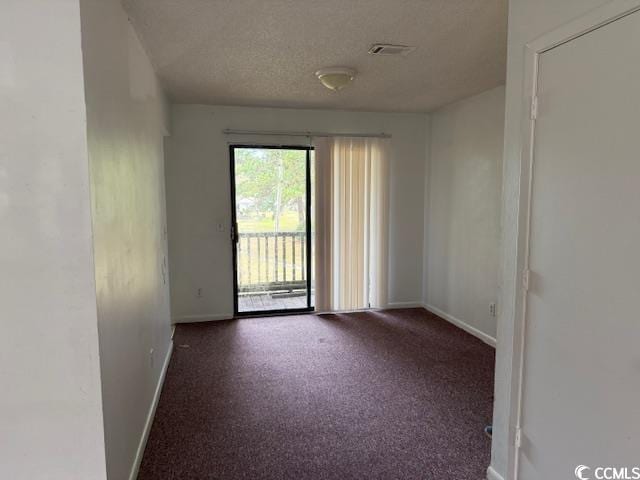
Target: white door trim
{"points": [[589, 22]]}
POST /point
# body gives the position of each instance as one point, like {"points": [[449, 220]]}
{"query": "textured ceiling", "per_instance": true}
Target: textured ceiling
{"points": [[265, 52]]}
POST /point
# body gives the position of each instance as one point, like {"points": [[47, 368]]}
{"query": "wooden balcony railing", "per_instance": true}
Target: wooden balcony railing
{"points": [[272, 261]]}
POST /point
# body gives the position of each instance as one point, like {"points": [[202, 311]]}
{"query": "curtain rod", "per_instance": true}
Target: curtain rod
{"points": [[230, 131]]}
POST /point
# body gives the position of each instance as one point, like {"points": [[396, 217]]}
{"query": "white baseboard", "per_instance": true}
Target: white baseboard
{"points": [[404, 305], [211, 317], [493, 475], [152, 411], [488, 339]]}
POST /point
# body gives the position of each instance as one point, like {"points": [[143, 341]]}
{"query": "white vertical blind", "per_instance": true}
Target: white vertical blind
{"points": [[351, 223]]}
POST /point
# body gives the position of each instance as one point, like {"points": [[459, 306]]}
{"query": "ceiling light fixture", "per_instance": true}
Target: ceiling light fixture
{"points": [[336, 78]]}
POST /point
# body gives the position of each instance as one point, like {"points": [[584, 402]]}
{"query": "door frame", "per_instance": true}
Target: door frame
{"points": [[583, 25], [234, 228]]}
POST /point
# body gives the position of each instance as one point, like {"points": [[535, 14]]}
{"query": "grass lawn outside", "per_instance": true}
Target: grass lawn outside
{"points": [[288, 223]]}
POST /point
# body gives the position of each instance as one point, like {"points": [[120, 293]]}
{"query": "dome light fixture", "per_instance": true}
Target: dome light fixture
{"points": [[336, 78]]}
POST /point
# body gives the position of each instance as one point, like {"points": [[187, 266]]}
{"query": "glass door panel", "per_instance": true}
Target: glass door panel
{"points": [[271, 240]]}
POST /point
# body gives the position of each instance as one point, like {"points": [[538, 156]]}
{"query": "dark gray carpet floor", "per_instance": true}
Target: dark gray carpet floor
{"points": [[399, 394]]}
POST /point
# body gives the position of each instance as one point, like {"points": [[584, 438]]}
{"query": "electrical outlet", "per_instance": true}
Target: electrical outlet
{"points": [[493, 309], [199, 293], [151, 358]]}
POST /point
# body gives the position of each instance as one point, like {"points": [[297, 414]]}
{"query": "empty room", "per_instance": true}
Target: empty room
{"points": [[355, 239]]}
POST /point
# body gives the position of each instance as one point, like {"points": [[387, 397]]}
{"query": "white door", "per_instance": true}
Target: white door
{"points": [[581, 390]]}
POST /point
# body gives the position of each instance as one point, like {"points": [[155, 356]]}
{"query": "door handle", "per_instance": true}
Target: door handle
{"points": [[234, 233]]}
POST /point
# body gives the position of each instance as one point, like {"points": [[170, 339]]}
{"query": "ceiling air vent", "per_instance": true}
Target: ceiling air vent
{"points": [[387, 49]]}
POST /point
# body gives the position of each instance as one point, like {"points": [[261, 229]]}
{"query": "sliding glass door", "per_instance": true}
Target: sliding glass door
{"points": [[271, 205]]}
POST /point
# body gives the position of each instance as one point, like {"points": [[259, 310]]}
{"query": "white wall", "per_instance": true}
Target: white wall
{"points": [[528, 19], [125, 136], [50, 405], [464, 191], [198, 197]]}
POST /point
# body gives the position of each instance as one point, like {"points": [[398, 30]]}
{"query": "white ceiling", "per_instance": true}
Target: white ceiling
{"points": [[265, 52]]}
